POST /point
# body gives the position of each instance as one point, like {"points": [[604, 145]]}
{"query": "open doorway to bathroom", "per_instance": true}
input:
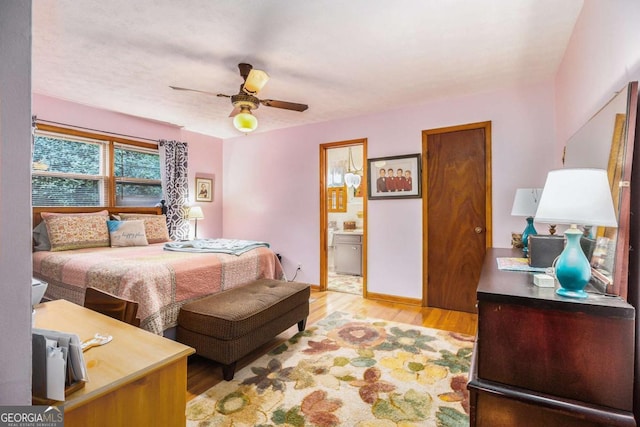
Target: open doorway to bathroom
{"points": [[343, 205]]}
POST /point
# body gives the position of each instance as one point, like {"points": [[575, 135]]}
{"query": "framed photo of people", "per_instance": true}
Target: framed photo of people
{"points": [[204, 190], [396, 177]]}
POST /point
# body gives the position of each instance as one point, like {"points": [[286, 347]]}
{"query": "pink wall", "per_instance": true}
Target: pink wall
{"points": [[602, 57], [271, 184], [205, 152], [205, 161]]}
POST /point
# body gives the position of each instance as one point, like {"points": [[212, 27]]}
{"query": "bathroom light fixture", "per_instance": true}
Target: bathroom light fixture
{"points": [[575, 196], [352, 179]]}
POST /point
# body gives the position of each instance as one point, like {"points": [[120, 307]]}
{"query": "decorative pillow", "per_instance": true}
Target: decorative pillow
{"points": [[127, 233], [41, 238], [77, 231], [155, 226]]}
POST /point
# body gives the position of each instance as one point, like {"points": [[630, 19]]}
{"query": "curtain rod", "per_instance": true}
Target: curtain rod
{"points": [[36, 119]]}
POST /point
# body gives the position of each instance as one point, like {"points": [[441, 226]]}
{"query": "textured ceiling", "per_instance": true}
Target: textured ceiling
{"points": [[343, 59]]}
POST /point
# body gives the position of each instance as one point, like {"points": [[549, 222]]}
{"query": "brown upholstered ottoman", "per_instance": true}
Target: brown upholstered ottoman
{"points": [[226, 326]]}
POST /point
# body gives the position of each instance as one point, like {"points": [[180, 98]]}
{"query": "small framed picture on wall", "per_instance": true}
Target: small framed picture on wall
{"points": [[204, 190], [396, 177]]}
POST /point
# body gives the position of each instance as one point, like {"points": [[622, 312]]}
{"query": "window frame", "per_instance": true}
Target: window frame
{"points": [[111, 142]]}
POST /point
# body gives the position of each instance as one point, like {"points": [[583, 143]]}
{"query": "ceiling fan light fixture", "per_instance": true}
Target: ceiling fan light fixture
{"points": [[255, 81], [245, 100], [244, 121]]}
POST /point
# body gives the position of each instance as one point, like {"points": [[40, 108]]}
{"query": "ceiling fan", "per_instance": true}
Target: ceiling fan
{"points": [[246, 100]]}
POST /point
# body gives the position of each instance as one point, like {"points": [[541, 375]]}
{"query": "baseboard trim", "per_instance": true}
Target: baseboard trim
{"points": [[394, 299]]}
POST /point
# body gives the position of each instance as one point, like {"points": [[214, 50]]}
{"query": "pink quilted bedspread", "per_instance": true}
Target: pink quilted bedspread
{"points": [[160, 281]]}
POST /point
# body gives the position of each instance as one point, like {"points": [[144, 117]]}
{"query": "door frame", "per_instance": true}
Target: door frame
{"points": [[324, 214], [425, 193]]}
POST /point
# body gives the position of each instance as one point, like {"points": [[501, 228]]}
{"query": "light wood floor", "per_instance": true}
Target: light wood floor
{"points": [[203, 374]]}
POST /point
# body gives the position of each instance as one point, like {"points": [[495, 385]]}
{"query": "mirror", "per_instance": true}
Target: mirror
{"points": [[604, 143]]}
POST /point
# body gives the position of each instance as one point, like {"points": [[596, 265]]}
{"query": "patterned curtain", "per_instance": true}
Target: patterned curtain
{"points": [[175, 187]]}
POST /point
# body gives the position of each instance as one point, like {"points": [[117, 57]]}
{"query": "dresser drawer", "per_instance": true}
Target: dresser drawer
{"points": [[569, 354]]}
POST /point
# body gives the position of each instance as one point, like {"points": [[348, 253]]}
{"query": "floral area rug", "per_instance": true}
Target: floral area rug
{"points": [[347, 371]]}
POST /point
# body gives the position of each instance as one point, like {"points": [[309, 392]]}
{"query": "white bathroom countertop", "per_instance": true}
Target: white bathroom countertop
{"points": [[356, 231]]}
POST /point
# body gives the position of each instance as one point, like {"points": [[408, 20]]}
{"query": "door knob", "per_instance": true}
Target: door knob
{"points": [[478, 230]]}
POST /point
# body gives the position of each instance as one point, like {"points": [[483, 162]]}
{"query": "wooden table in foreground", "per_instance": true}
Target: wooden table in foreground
{"points": [[544, 360], [138, 379]]}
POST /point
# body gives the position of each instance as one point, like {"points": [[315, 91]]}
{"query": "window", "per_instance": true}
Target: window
{"points": [[74, 168], [137, 176]]}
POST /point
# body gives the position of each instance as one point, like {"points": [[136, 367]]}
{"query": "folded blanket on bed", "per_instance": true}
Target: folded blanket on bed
{"points": [[225, 246]]}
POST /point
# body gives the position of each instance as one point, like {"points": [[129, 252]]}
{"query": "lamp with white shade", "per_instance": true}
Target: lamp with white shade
{"points": [[195, 213], [575, 196], [525, 204]]}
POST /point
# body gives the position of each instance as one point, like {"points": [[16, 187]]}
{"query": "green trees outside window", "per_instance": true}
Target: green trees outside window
{"points": [[71, 170]]}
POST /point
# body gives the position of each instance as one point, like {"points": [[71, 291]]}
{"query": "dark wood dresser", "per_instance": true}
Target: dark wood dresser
{"points": [[544, 360]]}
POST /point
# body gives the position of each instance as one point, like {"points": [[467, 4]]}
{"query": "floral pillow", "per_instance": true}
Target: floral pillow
{"points": [[127, 233], [77, 231], [155, 226]]}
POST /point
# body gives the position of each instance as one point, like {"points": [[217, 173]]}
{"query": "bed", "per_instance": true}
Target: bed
{"points": [[161, 281]]}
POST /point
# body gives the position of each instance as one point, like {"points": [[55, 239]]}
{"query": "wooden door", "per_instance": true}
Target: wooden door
{"points": [[457, 214]]}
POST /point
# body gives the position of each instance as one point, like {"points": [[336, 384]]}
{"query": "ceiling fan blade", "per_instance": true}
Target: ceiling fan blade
{"points": [[199, 91], [234, 112], [255, 81], [284, 104]]}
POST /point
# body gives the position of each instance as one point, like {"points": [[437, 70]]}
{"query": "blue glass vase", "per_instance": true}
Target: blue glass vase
{"points": [[529, 230], [572, 269]]}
